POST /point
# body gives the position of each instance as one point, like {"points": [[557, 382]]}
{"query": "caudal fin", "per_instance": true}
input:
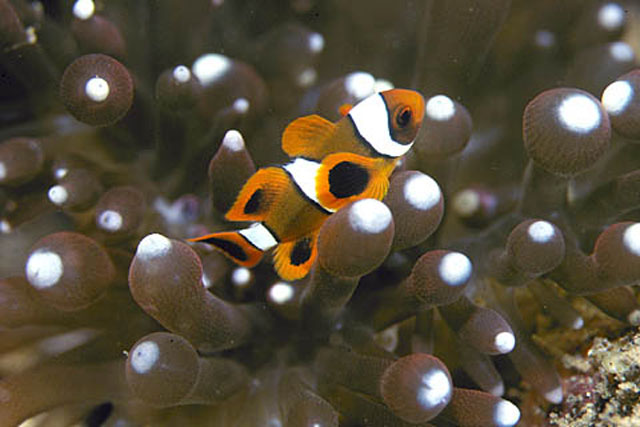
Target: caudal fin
{"points": [[244, 247], [234, 246]]}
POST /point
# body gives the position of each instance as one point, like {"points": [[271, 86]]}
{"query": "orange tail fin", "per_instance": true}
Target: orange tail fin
{"points": [[234, 246]]}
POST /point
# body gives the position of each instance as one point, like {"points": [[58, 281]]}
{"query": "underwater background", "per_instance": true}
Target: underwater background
{"points": [[498, 289]]}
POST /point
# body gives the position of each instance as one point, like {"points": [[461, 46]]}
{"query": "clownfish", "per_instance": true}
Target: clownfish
{"points": [[332, 164]]}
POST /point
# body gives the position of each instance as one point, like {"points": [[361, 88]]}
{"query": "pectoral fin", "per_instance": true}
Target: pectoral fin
{"points": [[346, 177]]}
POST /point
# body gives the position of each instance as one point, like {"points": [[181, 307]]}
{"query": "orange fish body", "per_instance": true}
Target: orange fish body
{"points": [[333, 164]]}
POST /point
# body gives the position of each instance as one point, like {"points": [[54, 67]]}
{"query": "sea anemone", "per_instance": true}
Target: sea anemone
{"points": [[509, 239]]}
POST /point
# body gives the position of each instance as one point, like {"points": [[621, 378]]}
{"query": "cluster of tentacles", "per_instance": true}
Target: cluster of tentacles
{"points": [[128, 127]]}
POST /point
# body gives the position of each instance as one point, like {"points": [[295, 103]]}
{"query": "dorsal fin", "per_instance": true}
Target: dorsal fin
{"points": [[344, 109], [293, 260], [305, 137], [258, 195], [346, 177]]}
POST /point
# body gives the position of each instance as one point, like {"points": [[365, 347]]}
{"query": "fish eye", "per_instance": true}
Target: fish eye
{"points": [[403, 118]]}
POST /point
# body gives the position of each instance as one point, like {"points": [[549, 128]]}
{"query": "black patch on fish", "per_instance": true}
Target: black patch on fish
{"points": [[253, 205], [233, 249], [301, 252], [347, 179]]}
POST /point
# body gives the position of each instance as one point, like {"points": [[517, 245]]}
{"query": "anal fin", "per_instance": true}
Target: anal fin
{"points": [[293, 260], [305, 137], [258, 195]]}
